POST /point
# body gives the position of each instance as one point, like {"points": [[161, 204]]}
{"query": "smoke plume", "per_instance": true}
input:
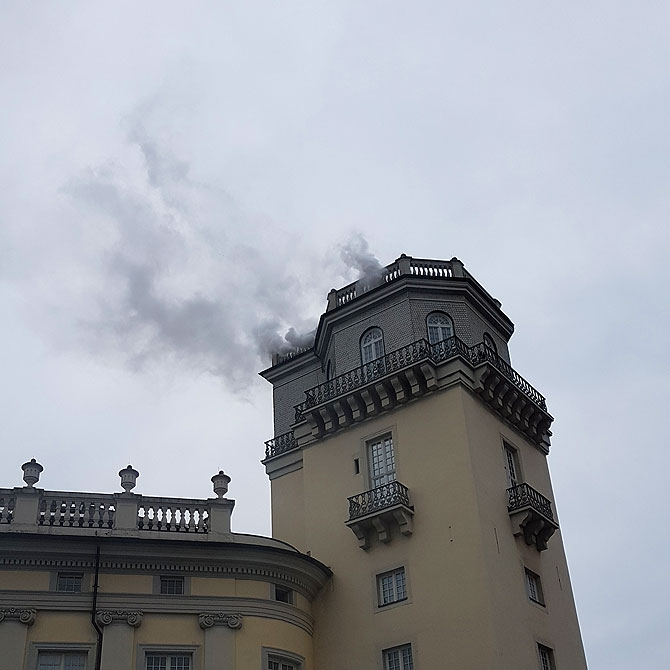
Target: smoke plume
{"points": [[355, 254]]}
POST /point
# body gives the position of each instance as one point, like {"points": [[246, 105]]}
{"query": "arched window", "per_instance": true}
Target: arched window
{"points": [[440, 327], [372, 345], [488, 342], [329, 371]]}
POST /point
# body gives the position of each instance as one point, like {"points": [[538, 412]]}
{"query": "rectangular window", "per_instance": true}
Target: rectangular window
{"points": [[382, 461], [399, 658], [512, 466], [168, 662], [534, 586], [172, 586], [391, 587], [546, 658], [63, 660], [69, 582], [276, 663], [283, 595]]}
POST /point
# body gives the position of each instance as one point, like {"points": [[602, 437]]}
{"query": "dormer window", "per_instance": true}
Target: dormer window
{"points": [[372, 345], [440, 327]]}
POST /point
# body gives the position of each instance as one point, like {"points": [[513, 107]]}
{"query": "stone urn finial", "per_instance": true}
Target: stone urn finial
{"points": [[220, 481], [128, 478], [31, 472]]}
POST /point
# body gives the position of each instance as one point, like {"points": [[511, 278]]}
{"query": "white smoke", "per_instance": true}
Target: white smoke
{"points": [[356, 254]]}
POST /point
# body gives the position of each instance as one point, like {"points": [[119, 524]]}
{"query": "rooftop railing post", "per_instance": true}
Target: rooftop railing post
{"points": [[332, 300], [404, 264], [220, 509], [457, 267], [126, 503], [27, 499]]}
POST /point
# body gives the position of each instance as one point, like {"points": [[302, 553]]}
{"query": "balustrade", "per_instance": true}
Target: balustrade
{"points": [[7, 503], [386, 495], [172, 515], [280, 444], [524, 495], [77, 510]]}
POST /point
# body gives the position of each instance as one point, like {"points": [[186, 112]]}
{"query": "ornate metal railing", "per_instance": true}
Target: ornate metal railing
{"points": [[387, 495], [280, 444], [77, 510], [480, 353], [282, 358], [409, 355], [524, 495]]}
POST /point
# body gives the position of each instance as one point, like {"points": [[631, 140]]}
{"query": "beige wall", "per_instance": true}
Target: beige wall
{"points": [[468, 606]]}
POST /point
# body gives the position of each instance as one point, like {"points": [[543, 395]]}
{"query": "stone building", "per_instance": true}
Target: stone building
{"points": [[409, 458]]}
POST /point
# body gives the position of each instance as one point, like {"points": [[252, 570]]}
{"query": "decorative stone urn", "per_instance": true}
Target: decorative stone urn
{"points": [[31, 472], [220, 481], [128, 478]]}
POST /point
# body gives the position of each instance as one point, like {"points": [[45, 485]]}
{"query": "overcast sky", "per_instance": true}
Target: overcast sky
{"points": [[178, 179]]}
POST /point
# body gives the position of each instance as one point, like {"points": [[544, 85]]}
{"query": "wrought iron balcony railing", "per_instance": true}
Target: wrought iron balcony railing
{"points": [[411, 354], [280, 444], [524, 495], [382, 497]]}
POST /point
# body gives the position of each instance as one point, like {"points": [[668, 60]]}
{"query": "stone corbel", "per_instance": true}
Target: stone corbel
{"points": [[131, 617], [209, 619], [25, 616]]}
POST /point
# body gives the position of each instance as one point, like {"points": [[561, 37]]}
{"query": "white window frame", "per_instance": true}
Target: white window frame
{"points": [[399, 653], [171, 579], [278, 589], [77, 577], [281, 656], [381, 460], [534, 587], [372, 345], [62, 653], [546, 657], [168, 655], [441, 329], [512, 465], [399, 592], [35, 648]]}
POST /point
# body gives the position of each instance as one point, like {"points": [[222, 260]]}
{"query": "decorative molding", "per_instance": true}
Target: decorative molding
{"points": [[209, 619], [25, 616], [131, 617]]}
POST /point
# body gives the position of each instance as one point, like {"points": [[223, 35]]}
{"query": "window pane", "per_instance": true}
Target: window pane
{"points": [[69, 582], [400, 585], [155, 662], [48, 661], [407, 661], [393, 660], [382, 461], [172, 586], [75, 661]]}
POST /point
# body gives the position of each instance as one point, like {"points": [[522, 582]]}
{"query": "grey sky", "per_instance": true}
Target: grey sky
{"points": [[178, 179]]}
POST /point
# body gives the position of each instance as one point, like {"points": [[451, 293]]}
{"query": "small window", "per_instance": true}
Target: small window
{"points": [[279, 663], [440, 327], [381, 460], [329, 371], [534, 587], [283, 595], [391, 587], [69, 582], [372, 345], [357, 466], [172, 586], [546, 657], [61, 660], [398, 658], [489, 343], [168, 662], [512, 466]]}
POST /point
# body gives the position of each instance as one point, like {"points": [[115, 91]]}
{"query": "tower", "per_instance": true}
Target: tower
{"points": [[411, 458]]}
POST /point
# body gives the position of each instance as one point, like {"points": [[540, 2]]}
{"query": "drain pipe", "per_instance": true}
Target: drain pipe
{"points": [[98, 629]]}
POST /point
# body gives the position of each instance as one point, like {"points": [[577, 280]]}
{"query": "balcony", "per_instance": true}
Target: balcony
{"points": [[280, 445], [380, 510], [419, 368], [32, 510], [531, 515]]}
